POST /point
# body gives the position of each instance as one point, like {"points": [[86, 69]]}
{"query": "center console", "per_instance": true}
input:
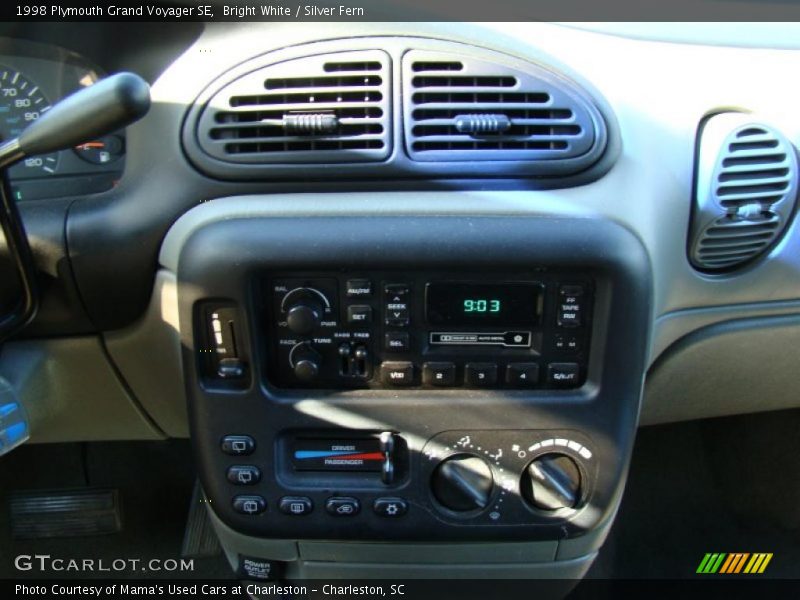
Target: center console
{"points": [[448, 380]]}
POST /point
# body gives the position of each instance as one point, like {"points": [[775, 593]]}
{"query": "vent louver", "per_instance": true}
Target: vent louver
{"points": [[746, 191], [319, 109], [459, 108]]}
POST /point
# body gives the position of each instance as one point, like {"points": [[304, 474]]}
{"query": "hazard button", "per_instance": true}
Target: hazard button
{"points": [[522, 374]]}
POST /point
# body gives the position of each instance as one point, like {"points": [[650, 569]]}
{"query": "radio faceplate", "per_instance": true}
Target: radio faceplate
{"points": [[400, 329]]}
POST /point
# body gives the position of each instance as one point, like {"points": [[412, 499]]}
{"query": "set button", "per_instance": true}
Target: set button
{"points": [[359, 314]]}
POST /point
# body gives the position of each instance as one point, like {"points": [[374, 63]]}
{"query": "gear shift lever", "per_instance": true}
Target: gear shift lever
{"points": [[106, 106]]}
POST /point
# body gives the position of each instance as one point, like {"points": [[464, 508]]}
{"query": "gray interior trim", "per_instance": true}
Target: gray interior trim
{"points": [[739, 366], [360, 560], [148, 353], [71, 392]]}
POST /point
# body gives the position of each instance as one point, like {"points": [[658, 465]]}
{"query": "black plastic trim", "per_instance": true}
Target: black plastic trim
{"points": [[225, 257]]}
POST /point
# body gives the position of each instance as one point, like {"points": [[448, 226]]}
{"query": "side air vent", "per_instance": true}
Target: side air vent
{"points": [[746, 191], [460, 108], [330, 108]]}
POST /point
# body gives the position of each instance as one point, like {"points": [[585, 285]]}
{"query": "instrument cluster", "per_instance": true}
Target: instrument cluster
{"points": [[32, 78]]}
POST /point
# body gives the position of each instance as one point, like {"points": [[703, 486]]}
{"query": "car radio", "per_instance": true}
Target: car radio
{"points": [[432, 330]]}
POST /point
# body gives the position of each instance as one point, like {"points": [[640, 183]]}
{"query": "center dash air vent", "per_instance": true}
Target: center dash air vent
{"points": [[330, 108], [459, 108], [746, 191]]}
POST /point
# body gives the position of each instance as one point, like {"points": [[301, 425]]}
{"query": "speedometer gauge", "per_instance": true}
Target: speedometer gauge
{"points": [[22, 102]]}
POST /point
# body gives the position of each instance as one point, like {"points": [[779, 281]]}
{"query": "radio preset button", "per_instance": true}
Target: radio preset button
{"points": [[359, 314], [439, 373], [396, 341], [522, 374], [480, 374], [563, 374], [398, 373], [359, 288]]}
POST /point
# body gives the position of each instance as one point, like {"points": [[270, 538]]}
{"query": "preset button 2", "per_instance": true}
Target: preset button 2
{"points": [[439, 373]]}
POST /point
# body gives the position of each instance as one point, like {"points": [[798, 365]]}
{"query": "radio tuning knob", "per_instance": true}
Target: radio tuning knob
{"points": [[463, 483], [305, 361], [304, 310], [552, 482]]}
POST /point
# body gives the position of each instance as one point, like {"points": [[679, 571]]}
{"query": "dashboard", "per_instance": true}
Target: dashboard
{"points": [[33, 77], [447, 269]]}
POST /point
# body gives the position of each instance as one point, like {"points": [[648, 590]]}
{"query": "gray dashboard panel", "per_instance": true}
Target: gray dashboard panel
{"points": [[658, 92], [71, 392]]}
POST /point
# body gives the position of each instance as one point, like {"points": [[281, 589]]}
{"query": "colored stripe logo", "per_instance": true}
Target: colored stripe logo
{"points": [[734, 563]]}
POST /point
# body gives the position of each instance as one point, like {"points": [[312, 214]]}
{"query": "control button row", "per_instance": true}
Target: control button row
{"points": [[337, 506], [401, 373]]}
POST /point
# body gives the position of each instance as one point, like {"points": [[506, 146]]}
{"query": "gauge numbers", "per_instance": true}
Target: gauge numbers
{"points": [[21, 103]]}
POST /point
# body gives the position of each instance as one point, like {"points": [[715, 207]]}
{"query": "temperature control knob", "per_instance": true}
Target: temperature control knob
{"points": [[551, 482], [304, 308], [463, 483], [305, 361]]}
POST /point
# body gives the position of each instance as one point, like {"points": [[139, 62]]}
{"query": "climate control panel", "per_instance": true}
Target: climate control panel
{"points": [[430, 330]]}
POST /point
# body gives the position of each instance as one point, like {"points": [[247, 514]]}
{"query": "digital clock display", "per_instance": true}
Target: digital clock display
{"points": [[462, 303]]}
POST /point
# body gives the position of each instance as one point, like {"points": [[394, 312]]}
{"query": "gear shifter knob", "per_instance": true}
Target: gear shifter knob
{"points": [[108, 105]]}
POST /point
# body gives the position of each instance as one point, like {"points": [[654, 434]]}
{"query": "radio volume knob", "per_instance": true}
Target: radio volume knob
{"points": [[304, 311], [303, 318]]}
